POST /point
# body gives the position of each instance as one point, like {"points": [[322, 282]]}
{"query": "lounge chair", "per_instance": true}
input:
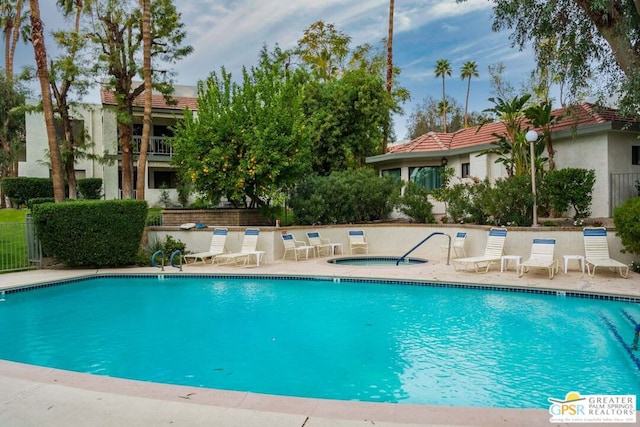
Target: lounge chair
{"points": [[492, 253], [596, 251], [457, 245], [358, 241], [321, 245], [541, 257], [295, 247], [248, 249], [218, 239]]}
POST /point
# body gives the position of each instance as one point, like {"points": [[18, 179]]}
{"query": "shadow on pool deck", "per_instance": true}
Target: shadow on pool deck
{"points": [[34, 396]]}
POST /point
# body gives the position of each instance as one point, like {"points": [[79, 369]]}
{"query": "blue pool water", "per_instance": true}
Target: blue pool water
{"points": [[329, 339]]}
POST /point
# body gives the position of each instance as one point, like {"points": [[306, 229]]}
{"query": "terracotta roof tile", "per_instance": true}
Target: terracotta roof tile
{"points": [[158, 101], [579, 115]]}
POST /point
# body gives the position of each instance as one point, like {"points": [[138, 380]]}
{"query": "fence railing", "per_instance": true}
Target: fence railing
{"points": [[19, 246], [623, 186]]}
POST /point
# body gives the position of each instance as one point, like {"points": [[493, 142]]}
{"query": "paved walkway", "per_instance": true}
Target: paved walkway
{"points": [[36, 396]]}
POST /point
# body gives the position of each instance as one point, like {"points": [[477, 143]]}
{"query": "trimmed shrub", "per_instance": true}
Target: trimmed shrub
{"points": [[90, 188], [415, 204], [344, 197], [570, 187], [626, 218], [39, 200], [91, 233], [511, 201], [20, 189]]}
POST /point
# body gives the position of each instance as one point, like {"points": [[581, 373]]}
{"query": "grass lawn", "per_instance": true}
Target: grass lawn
{"points": [[13, 240], [13, 215]]}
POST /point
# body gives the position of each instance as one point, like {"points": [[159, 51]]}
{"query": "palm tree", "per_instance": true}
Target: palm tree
{"points": [[145, 5], [468, 70], [443, 68], [389, 69], [40, 53]]}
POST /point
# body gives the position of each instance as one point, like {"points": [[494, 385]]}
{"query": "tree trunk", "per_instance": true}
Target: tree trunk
{"points": [[14, 41], [146, 123], [385, 141], [466, 105], [40, 53], [127, 160]]}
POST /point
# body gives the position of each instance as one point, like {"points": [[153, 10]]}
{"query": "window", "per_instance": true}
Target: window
{"points": [[635, 155], [429, 177], [466, 168], [164, 179], [392, 172]]}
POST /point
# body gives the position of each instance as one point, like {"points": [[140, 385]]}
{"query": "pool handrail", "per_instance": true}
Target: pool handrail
{"points": [[424, 240]]}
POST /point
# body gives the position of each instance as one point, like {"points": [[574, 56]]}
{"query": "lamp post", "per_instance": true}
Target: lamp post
{"points": [[531, 137]]}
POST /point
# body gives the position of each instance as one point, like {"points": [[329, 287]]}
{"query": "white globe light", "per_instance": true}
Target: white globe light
{"points": [[531, 136]]}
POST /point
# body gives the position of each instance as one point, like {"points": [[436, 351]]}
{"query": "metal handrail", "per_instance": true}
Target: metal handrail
{"points": [[424, 240]]}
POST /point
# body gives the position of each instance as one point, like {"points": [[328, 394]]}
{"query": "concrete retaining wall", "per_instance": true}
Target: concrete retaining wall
{"points": [[396, 239]]}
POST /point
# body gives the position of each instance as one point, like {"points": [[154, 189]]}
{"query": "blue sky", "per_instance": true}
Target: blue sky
{"points": [[230, 33]]}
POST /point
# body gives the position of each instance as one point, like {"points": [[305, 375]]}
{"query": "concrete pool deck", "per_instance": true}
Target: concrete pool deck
{"points": [[35, 396]]}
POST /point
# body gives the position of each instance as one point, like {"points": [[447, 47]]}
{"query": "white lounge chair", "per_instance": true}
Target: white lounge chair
{"points": [[596, 252], [248, 249], [492, 253], [358, 242], [541, 257], [457, 245], [321, 245], [295, 247], [217, 247]]}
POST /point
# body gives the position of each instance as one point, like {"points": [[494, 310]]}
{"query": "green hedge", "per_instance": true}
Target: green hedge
{"points": [[344, 197], [21, 189], [91, 233], [90, 188], [626, 218]]}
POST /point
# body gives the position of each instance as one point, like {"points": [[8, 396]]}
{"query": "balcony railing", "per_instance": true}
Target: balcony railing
{"points": [[157, 146]]}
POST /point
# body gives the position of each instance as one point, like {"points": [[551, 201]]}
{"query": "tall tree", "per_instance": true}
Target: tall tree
{"points": [[145, 5], [324, 49], [13, 21], [500, 86], [443, 69], [389, 68], [14, 26], [469, 69], [40, 53], [70, 73], [591, 39], [117, 33], [248, 139]]}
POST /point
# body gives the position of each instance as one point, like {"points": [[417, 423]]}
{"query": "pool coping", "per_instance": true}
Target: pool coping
{"points": [[28, 388]]}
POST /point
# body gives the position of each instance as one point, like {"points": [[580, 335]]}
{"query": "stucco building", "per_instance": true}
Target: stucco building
{"points": [[586, 137]]}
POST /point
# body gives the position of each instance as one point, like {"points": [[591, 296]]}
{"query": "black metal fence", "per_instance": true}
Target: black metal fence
{"points": [[623, 186]]}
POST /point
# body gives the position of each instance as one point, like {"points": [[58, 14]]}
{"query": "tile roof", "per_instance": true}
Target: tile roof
{"points": [[584, 114], [158, 101]]}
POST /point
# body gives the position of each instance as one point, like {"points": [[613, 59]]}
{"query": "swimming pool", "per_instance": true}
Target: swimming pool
{"points": [[329, 338]]}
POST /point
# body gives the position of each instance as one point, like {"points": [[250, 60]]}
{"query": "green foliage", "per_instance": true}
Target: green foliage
{"points": [[466, 202], [344, 197], [570, 187], [585, 42], [184, 190], [165, 198], [415, 204], [154, 217], [90, 188], [511, 201], [626, 218], [249, 138], [12, 122], [39, 200], [21, 189], [347, 118], [91, 233]]}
